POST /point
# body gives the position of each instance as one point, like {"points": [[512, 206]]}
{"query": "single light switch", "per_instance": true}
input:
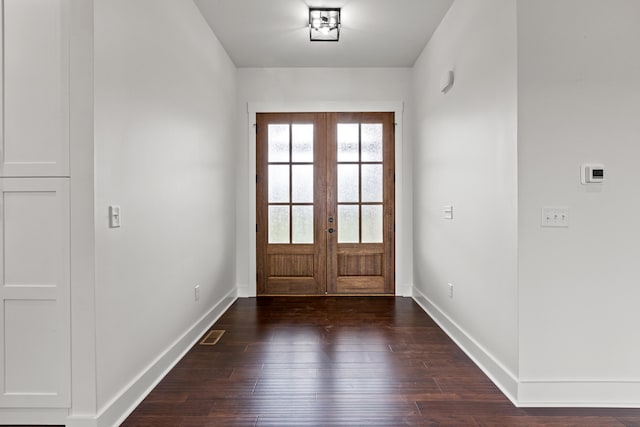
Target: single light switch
{"points": [[447, 212], [114, 216]]}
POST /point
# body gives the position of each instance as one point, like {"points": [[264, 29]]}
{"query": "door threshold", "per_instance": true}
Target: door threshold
{"points": [[325, 295]]}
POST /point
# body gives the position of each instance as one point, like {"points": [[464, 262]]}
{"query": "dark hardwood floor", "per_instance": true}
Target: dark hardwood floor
{"points": [[348, 361]]}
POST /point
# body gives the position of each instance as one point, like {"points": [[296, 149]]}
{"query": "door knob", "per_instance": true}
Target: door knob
{"points": [[330, 219], [330, 230]]}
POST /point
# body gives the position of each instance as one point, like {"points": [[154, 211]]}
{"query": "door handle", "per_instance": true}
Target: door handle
{"points": [[330, 230]]}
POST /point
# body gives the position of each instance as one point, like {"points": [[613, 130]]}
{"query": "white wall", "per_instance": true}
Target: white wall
{"points": [[288, 88], [164, 151], [465, 155], [579, 86]]}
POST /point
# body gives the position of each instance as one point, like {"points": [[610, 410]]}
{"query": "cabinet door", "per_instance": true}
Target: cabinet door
{"points": [[34, 293], [35, 82]]}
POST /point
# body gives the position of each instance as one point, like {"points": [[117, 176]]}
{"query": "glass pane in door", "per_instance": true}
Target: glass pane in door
{"points": [[372, 142], [348, 190], [302, 224], [372, 183], [302, 143], [278, 224], [278, 143], [372, 224], [302, 190], [348, 142], [278, 183], [348, 224]]}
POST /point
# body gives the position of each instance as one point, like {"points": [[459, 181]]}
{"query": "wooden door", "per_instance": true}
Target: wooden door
{"points": [[360, 254], [325, 203], [291, 204]]}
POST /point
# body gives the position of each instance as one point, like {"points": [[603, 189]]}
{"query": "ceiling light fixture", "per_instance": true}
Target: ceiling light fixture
{"points": [[324, 25]]}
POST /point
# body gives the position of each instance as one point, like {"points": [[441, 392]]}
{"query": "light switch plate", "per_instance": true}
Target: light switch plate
{"points": [[447, 212], [114, 216], [555, 217]]}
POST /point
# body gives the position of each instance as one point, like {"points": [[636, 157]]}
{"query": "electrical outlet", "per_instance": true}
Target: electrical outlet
{"points": [[196, 292], [450, 290]]}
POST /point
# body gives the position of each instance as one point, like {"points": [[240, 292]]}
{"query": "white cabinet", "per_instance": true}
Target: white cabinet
{"points": [[35, 82], [34, 293], [34, 204]]}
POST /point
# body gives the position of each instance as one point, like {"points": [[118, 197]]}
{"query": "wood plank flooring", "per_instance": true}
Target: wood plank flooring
{"points": [[348, 361]]}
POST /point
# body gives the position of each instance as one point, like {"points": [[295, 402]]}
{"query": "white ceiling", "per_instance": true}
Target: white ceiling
{"points": [[275, 33]]}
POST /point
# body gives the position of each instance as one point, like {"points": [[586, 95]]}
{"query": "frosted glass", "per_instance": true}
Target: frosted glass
{"points": [[278, 143], [278, 183], [348, 142], [302, 143], [372, 224], [302, 224], [302, 191], [371, 142], [348, 178], [278, 224], [372, 183], [348, 224]]}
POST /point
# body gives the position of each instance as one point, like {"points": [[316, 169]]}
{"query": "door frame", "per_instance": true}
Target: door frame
{"points": [[403, 286]]}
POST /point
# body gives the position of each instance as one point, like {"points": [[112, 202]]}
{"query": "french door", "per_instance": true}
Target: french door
{"points": [[325, 203]]}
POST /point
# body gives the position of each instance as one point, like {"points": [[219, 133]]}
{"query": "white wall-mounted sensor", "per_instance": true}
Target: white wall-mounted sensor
{"points": [[447, 81], [592, 174]]}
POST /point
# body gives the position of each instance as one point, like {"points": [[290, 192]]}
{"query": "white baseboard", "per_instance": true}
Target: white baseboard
{"points": [[33, 416], [501, 376], [551, 393], [82, 421], [579, 394], [245, 291], [121, 407], [403, 290]]}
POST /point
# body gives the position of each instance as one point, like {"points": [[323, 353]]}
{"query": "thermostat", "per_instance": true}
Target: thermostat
{"points": [[592, 174]]}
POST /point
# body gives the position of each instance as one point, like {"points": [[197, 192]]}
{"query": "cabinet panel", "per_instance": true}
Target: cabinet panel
{"points": [[30, 334], [36, 88], [31, 241], [34, 292]]}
